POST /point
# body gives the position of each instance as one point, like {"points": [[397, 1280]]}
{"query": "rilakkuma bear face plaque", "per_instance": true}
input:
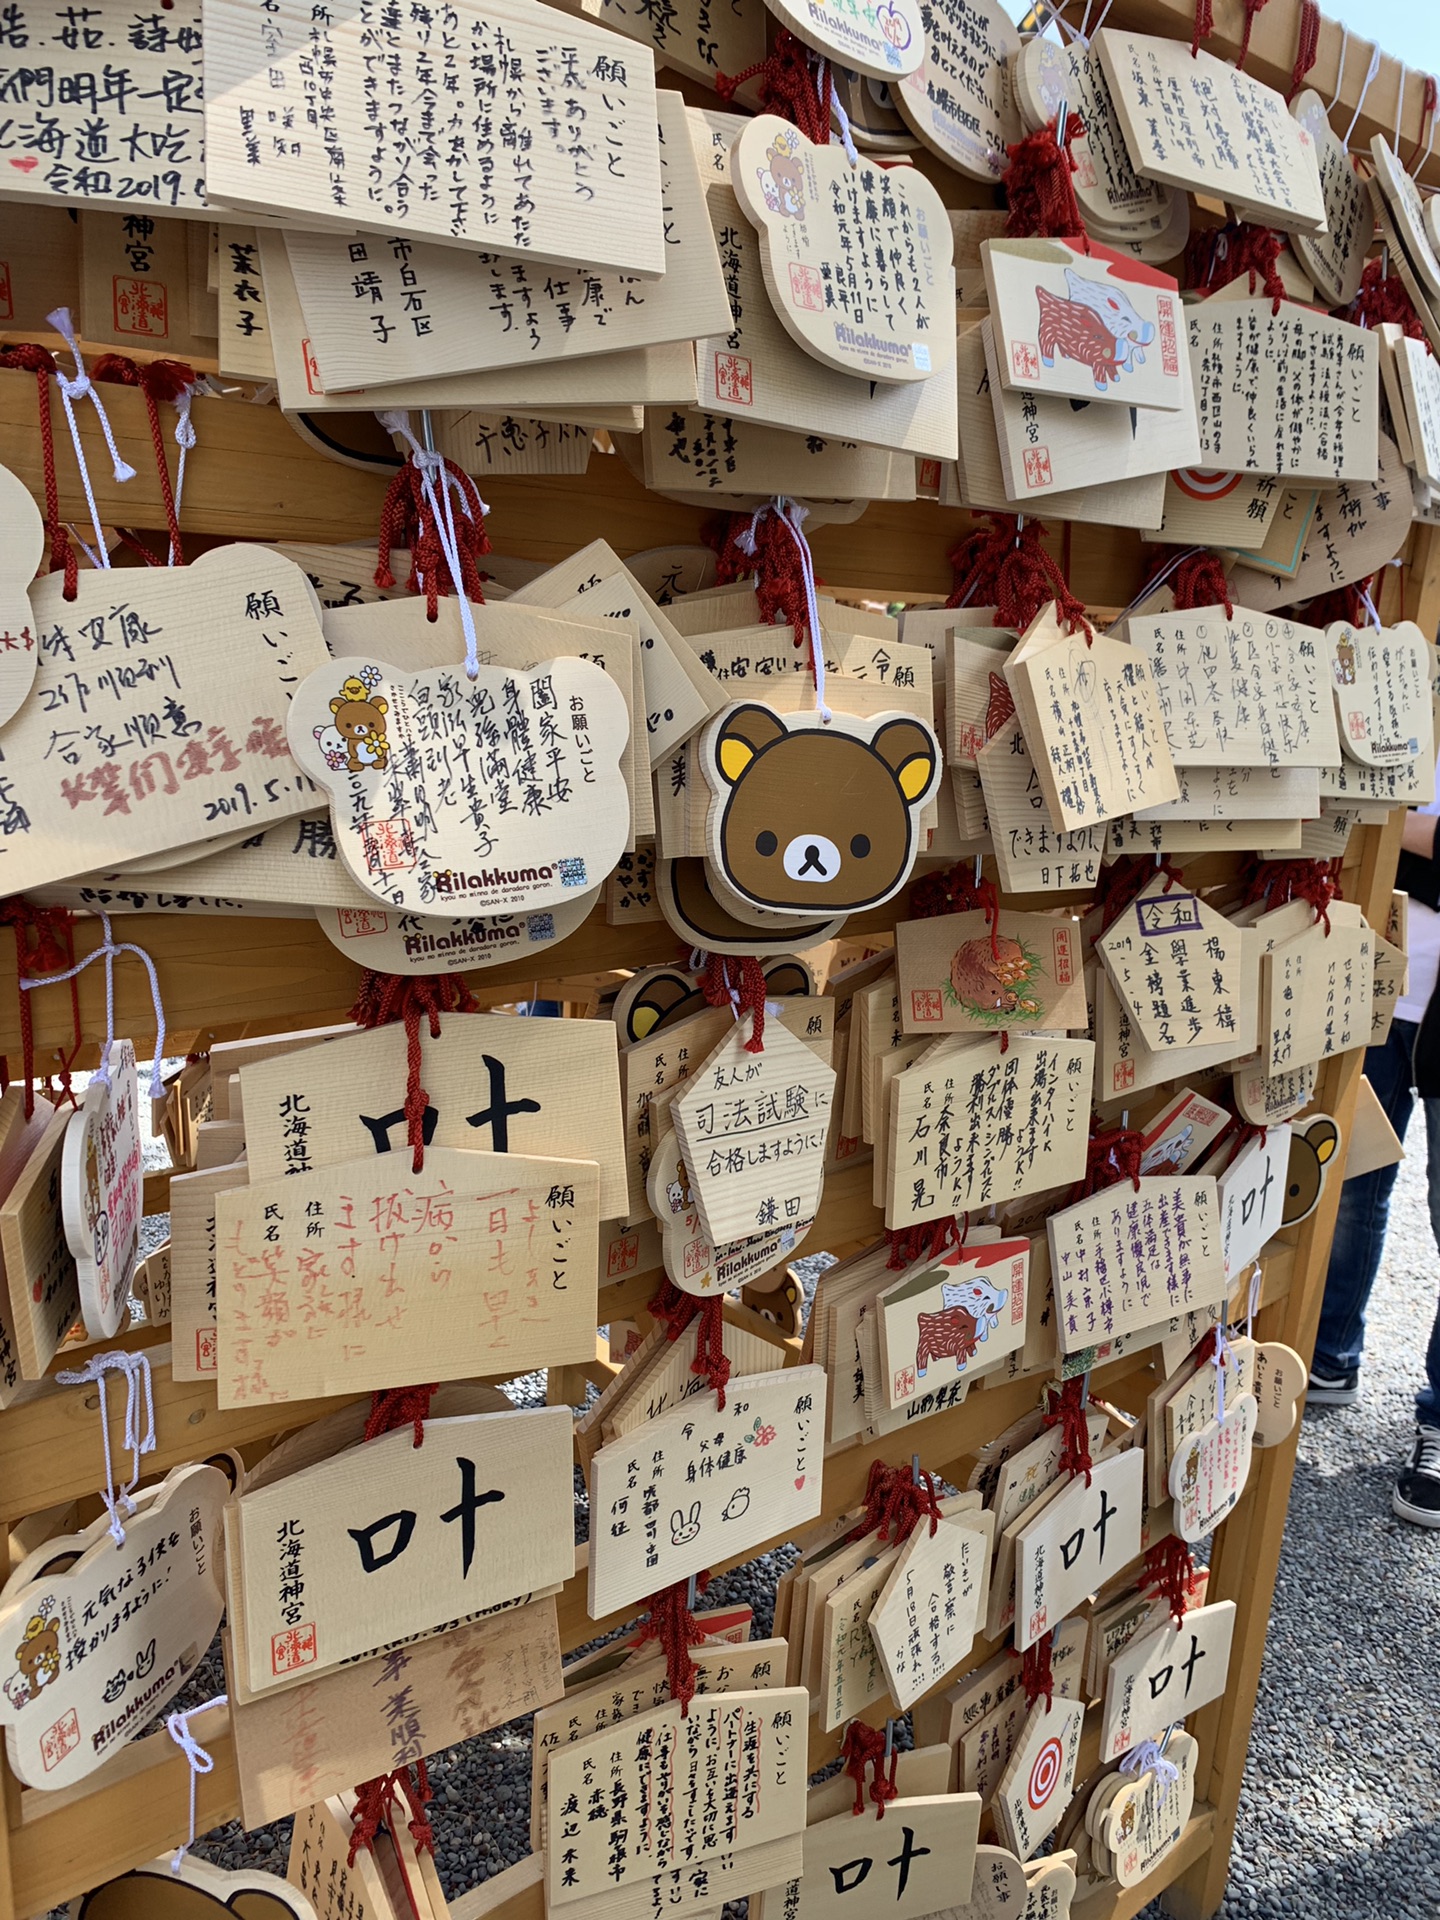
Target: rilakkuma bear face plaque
{"points": [[824, 225], [811, 816], [499, 794]]}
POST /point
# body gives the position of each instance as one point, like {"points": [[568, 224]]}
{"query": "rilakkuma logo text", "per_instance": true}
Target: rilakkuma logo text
{"points": [[480, 935], [448, 881]]}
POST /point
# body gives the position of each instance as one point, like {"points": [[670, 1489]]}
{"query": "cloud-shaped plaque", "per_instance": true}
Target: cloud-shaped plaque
{"points": [[454, 796], [825, 225]]}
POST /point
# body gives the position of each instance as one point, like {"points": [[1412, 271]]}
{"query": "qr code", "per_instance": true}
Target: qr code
{"points": [[572, 873], [541, 926]]}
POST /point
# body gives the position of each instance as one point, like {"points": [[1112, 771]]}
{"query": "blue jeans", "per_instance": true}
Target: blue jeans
{"points": [[1364, 1216]]}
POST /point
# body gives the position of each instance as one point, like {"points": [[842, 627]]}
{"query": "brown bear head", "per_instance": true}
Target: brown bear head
{"points": [[38, 1654], [360, 721], [1310, 1154], [146, 1895], [818, 817], [664, 996], [691, 909]]}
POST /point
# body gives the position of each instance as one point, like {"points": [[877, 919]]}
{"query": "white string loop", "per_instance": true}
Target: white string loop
{"points": [[847, 140], [1340, 77], [107, 952], [80, 387], [140, 1440], [428, 464], [1370, 73], [177, 1725], [791, 514], [1149, 1757], [185, 441]]}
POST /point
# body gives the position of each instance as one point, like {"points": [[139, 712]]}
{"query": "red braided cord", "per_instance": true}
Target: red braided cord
{"points": [[1199, 581], [1204, 24], [1252, 8], [1110, 1158], [1039, 188], [406, 520], [864, 1747], [161, 379], [675, 1627], [748, 981], [896, 1503], [1123, 882], [790, 85], [1278, 882], [774, 566], [375, 1804], [392, 1407], [930, 1240], [37, 360], [675, 1311], [1382, 297], [976, 559], [386, 997], [1215, 257], [52, 951], [1427, 112], [1067, 1411], [1170, 1573], [1307, 46], [1037, 1674]]}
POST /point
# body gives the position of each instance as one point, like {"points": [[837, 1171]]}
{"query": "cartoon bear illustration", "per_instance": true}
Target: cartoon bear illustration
{"points": [[360, 722], [816, 818], [333, 749], [782, 181], [665, 996], [160, 1897], [38, 1660], [1310, 1154], [691, 909]]}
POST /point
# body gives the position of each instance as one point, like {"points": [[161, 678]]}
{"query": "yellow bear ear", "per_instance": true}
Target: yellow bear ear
{"points": [[734, 757], [1324, 1151], [914, 777], [643, 1020]]}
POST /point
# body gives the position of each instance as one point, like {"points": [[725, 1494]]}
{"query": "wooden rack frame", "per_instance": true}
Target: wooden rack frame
{"points": [[252, 477]]}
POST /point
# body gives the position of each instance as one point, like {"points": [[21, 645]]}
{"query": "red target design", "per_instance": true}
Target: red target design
{"points": [[1204, 483], [1045, 1773]]}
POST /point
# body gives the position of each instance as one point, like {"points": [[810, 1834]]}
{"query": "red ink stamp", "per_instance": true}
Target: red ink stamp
{"points": [[1124, 1075], [925, 1005], [624, 1255], [732, 379], [1064, 956], [927, 475], [695, 1261], [357, 923], [904, 1383], [205, 1349], [142, 307], [389, 844], [1358, 726], [807, 289], [293, 1649], [59, 1740], [1038, 471], [312, 368], [1025, 359], [1169, 352]]}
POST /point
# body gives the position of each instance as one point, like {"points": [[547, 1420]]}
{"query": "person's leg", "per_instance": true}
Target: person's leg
{"points": [[1360, 1234], [1417, 1490]]}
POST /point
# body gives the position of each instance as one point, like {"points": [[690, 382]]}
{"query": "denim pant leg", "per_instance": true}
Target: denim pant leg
{"points": [[1427, 1401], [1364, 1215]]}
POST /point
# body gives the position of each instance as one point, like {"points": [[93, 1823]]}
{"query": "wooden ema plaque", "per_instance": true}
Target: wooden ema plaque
{"points": [[353, 1275], [22, 548], [898, 1868], [100, 1191], [41, 1281], [1165, 1675], [1123, 1259], [346, 154], [92, 1653], [959, 100], [819, 219]]}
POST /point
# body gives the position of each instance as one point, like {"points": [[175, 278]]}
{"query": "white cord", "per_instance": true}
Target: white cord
{"points": [[428, 464], [80, 387]]}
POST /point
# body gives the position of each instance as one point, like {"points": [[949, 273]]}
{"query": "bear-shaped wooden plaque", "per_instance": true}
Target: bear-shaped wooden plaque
{"points": [[808, 817], [195, 1890], [1210, 1468], [959, 100], [83, 1669], [1381, 678], [1085, 324], [820, 220], [21, 550], [498, 794], [393, 942], [882, 38], [100, 1187]]}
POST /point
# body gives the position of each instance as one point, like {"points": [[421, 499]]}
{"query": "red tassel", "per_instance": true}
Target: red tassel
{"points": [[1170, 1573], [791, 84], [387, 997], [393, 1407], [1277, 882], [952, 890], [1036, 1674], [1199, 581], [406, 520], [864, 1747], [675, 1311], [1067, 1411], [674, 1626], [377, 1804], [1252, 8], [931, 1240], [747, 980], [1307, 49], [896, 1503], [1215, 257], [159, 380], [1110, 1158], [44, 944], [774, 566], [1382, 297], [1039, 189], [1204, 24]]}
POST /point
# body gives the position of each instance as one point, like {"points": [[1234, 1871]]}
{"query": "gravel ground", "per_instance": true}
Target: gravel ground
{"points": [[1322, 1829]]}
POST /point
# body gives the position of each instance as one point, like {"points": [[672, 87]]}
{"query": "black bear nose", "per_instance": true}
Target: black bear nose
{"points": [[813, 860]]}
